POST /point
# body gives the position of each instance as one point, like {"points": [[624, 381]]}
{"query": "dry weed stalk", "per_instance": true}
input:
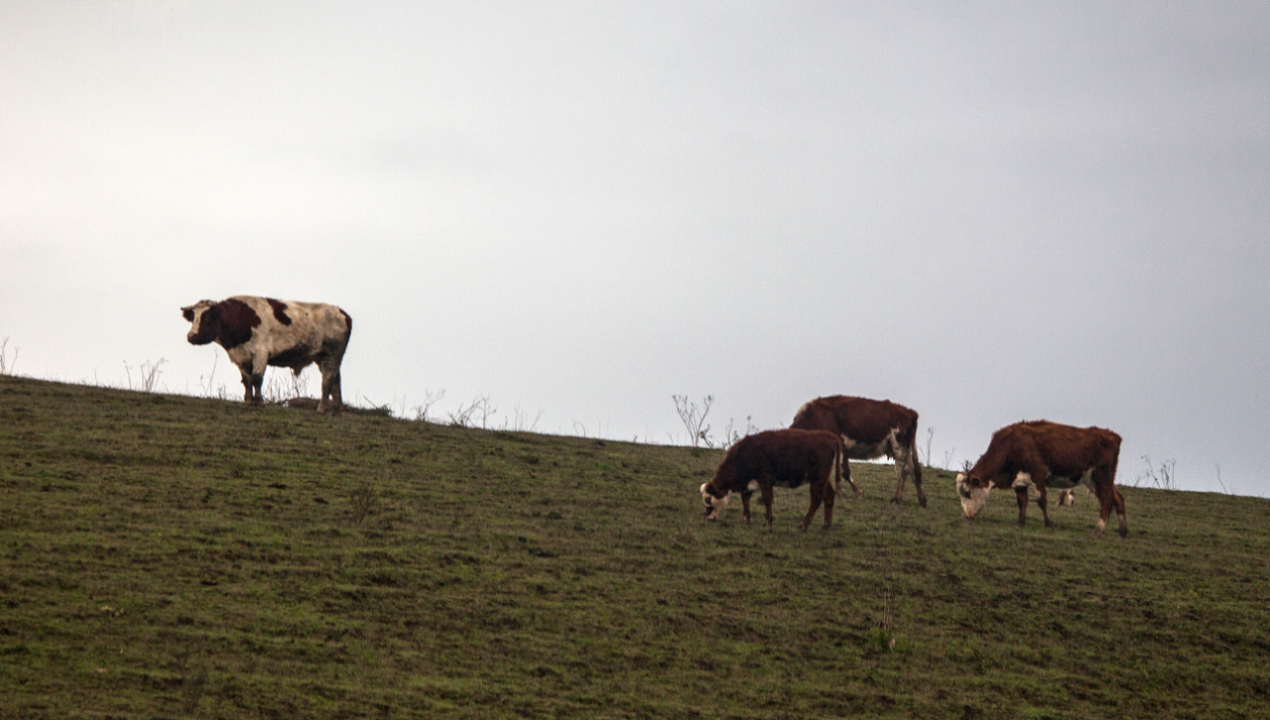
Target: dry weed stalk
{"points": [[6, 364]]}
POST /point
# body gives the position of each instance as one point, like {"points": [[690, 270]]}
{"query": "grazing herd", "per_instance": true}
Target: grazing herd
{"points": [[826, 433], [1033, 455]]}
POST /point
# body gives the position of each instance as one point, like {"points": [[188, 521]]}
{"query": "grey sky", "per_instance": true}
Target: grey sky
{"points": [[988, 212]]}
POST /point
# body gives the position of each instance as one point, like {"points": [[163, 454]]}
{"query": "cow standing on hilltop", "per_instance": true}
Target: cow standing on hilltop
{"points": [[257, 332], [788, 458], [1041, 454], [869, 429]]}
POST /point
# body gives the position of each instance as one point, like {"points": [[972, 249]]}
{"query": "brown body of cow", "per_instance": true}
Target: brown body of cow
{"points": [[1041, 454], [788, 458], [869, 429], [257, 332]]}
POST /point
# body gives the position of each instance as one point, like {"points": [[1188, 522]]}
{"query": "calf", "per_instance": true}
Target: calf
{"points": [[869, 429], [1041, 454], [787, 458], [257, 332]]}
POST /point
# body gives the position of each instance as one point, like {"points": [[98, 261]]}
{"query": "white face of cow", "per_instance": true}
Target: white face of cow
{"points": [[194, 313], [714, 505], [973, 497]]}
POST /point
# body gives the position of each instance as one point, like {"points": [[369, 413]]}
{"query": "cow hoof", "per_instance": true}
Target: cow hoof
{"points": [[1123, 532], [895, 500], [921, 501]]}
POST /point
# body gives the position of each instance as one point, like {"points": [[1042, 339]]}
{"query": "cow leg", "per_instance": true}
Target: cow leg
{"points": [[745, 505], [846, 473], [811, 512], [1104, 506], [1020, 494], [251, 387], [247, 388], [330, 389], [900, 471], [1109, 495], [1118, 499], [906, 464], [1043, 502]]}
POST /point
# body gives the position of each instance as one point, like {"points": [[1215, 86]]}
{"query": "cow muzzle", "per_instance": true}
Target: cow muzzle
{"points": [[714, 505], [973, 499]]}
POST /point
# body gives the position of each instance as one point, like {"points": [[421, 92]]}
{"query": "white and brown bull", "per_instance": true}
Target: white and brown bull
{"points": [[869, 429], [1040, 454], [257, 332], [785, 458]]}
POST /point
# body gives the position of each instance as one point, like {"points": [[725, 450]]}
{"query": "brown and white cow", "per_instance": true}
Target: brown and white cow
{"points": [[257, 332], [786, 458], [869, 429], [1040, 454]]}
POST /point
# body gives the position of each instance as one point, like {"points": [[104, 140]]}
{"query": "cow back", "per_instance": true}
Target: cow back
{"points": [[860, 419], [1063, 450]]}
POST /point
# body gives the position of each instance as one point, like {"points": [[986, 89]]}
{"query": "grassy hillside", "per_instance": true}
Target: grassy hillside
{"points": [[166, 556]]}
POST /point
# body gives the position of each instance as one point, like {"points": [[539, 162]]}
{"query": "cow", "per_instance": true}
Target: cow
{"points": [[257, 332], [869, 429], [787, 458], [1041, 454]]}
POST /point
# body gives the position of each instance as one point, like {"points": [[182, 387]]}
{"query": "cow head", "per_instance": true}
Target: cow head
{"points": [[973, 492], [203, 316], [714, 502]]}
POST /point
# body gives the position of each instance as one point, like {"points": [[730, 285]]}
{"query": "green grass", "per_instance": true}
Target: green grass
{"points": [[167, 556]]}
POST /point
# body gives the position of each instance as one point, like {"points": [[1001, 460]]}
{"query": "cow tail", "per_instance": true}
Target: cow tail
{"points": [[914, 458], [917, 463]]}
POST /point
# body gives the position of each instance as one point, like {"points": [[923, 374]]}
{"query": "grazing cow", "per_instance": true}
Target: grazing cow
{"points": [[257, 332], [787, 458], [1041, 454], [869, 429]]}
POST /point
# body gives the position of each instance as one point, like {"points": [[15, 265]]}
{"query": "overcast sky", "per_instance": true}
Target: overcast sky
{"points": [[988, 211]]}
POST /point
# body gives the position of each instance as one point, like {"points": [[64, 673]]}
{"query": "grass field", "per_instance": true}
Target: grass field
{"points": [[173, 557]]}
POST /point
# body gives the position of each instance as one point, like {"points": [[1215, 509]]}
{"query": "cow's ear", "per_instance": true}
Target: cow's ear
{"points": [[187, 312]]}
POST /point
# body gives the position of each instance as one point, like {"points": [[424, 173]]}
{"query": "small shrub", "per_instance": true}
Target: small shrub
{"points": [[881, 641], [362, 501], [694, 418], [147, 375], [430, 398], [1164, 479]]}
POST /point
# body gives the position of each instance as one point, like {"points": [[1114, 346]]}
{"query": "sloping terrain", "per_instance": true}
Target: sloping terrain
{"points": [[167, 556]]}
